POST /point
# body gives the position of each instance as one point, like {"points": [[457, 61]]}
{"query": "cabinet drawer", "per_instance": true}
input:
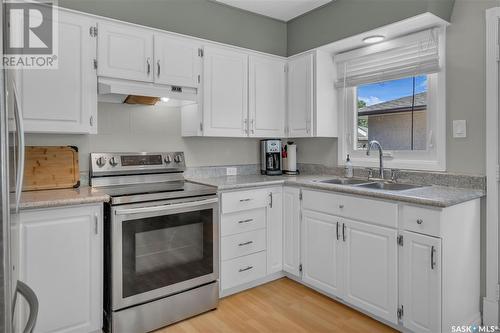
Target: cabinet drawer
{"points": [[242, 270], [244, 200], [242, 244], [238, 222], [422, 220], [357, 208]]}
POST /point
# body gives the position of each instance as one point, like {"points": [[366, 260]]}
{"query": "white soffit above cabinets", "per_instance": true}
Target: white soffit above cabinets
{"points": [[283, 10]]}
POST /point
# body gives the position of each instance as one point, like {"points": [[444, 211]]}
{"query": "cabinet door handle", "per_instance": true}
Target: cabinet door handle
{"points": [[158, 67], [148, 63], [245, 243], [245, 269], [420, 221], [337, 230], [271, 200], [245, 200], [432, 257], [91, 121], [96, 224], [343, 232], [245, 221]]}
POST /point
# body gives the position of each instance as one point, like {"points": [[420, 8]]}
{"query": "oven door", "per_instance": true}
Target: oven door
{"points": [[162, 248]]}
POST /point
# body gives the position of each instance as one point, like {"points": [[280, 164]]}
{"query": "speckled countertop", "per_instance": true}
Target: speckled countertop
{"points": [[437, 196], [62, 197]]}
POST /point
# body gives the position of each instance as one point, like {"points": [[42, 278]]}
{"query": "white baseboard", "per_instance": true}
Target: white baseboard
{"points": [[490, 312], [255, 283]]}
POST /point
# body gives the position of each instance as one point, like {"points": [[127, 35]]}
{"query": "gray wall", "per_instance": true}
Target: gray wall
{"points": [[344, 18], [199, 18], [146, 128]]}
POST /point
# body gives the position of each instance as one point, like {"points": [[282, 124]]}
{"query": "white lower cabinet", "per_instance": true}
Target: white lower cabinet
{"points": [[321, 252], [275, 231], [291, 230], [61, 259], [251, 238], [370, 269], [421, 282]]}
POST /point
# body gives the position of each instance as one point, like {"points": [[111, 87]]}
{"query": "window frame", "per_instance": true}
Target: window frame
{"points": [[432, 159]]}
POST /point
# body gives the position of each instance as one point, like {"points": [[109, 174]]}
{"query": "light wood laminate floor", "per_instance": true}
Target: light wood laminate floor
{"points": [[279, 306]]}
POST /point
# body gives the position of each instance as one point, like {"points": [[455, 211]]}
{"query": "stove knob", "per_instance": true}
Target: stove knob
{"points": [[113, 161], [100, 162], [178, 158], [168, 159]]}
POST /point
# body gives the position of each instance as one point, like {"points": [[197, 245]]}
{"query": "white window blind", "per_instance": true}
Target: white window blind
{"points": [[411, 55]]}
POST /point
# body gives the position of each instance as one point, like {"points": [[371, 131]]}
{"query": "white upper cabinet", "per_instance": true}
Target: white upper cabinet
{"points": [[125, 52], [177, 61], [321, 252], [312, 98], [421, 282], [267, 96], [62, 100], [371, 269], [225, 92], [300, 96]]}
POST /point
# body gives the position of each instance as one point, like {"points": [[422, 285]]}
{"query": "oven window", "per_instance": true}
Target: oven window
{"points": [[163, 250]]}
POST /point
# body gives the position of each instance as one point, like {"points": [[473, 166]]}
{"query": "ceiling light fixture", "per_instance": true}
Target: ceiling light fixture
{"points": [[373, 39]]}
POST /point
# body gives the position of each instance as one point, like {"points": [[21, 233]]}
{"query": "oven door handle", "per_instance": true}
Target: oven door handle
{"points": [[165, 207]]}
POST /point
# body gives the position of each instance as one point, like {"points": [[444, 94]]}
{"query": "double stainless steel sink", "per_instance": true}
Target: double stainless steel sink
{"points": [[376, 185]]}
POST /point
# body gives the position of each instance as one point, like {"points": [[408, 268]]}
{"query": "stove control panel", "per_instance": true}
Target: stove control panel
{"points": [[136, 163]]}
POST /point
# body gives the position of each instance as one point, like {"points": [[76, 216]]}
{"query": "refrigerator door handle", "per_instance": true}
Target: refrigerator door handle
{"points": [[32, 300], [20, 136]]}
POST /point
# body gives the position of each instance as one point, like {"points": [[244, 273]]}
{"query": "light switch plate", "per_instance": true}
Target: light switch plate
{"points": [[231, 171], [459, 128]]}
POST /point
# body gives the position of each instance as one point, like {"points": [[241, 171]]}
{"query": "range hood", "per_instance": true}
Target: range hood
{"points": [[124, 91]]}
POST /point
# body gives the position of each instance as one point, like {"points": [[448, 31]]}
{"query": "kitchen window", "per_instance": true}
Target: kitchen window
{"points": [[393, 92]]}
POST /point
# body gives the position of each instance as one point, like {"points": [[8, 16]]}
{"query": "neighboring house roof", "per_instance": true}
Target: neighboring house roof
{"points": [[403, 104]]}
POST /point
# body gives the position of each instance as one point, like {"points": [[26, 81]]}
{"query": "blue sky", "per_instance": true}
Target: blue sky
{"points": [[379, 92]]}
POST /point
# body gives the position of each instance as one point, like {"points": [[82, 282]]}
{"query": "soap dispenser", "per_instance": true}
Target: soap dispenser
{"points": [[348, 167]]}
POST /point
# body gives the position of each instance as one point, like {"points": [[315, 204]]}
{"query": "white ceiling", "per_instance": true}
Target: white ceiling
{"points": [[283, 10]]}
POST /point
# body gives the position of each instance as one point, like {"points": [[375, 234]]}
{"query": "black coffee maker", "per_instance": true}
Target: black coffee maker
{"points": [[270, 157]]}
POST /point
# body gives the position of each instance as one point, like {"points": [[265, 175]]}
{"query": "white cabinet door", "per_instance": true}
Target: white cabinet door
{"points": [[371, 269], [61, 260], [225, 92], [275, 231], [321, 252], [63, 100], [267, 86], [300, 96], [125, 52], [291, 230], [421, 272], [177, 61]]}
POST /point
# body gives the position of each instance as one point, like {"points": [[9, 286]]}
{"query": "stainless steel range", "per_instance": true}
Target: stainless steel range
{"points": [[161, 241]]}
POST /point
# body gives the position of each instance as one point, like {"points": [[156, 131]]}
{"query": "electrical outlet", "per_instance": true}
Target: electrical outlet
{"points": [[231, 171]]}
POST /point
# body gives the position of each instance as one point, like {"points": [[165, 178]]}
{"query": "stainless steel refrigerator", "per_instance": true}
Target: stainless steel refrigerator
{"points": [[11, 180]]}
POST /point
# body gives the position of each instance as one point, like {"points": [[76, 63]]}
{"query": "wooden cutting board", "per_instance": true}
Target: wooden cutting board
{"points": [[51, 167]]}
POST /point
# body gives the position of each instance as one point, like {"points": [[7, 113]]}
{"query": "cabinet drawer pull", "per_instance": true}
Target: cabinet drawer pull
{"points": [[432, 257], [341, 206], [420, 221], [245, 243], [245, 221], [245, 200], [245, 269]]}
